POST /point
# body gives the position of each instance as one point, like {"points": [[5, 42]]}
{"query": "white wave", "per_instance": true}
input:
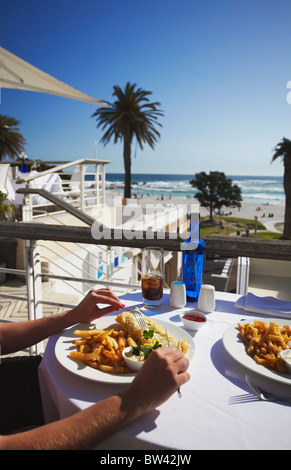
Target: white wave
{"points": [[258, 190], [263, 198]]}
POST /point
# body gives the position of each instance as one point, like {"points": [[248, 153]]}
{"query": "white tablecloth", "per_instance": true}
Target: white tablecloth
{"points": [[51, 183], [217, 409]]}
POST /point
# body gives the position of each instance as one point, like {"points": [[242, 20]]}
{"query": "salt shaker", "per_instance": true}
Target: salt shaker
{"points": [[178, 294], [206, 300]]}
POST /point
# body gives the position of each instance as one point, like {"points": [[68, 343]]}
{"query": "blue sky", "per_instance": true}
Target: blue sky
{"points": [[219, 69]]}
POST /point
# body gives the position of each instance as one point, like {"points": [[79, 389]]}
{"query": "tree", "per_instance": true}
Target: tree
{"points": [[7, 208], [283, 150], [11, 140], [216, 191], [131, 115]]}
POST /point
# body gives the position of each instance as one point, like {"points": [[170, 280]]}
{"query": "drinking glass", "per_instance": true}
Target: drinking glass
{"points": [[152, 276]]}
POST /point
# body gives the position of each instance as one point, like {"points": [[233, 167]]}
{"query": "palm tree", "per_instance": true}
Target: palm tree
{"points": [[131, 115], [283, 150], [11, 140]]}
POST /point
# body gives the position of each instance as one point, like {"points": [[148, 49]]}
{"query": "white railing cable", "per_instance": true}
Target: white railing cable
{"points": [[92, 281]]}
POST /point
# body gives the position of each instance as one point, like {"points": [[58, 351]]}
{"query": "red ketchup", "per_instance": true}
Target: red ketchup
{"points": [[193, 318]]}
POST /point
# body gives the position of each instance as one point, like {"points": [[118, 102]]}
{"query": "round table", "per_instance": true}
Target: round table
{"points": [[216, 411]]}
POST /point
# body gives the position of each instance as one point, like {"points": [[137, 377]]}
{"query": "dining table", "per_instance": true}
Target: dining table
{"points": [[217, 410]]}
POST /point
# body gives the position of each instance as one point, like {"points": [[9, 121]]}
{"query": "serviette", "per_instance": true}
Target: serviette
{"points": [[264, 305]]}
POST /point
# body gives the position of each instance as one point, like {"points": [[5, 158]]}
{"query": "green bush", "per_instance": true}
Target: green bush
{"points": [[7, 209]]}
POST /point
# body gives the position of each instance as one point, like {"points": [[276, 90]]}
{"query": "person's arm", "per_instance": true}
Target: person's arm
{"points": [[16, 336], [163, 372]]}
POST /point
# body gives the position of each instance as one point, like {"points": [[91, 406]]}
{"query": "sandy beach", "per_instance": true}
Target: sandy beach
{"points": [[269, 214]]}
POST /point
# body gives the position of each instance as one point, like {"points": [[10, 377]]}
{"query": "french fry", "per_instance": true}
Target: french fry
{"points": [[84, 348], [109, 355], [101, 349], [79, 342], [265, 342], [105, 368], [131, 341], [114, 343], [121, 343], [89, 333]]}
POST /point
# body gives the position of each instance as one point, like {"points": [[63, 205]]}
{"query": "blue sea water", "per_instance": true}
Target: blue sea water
{"points": [[256, 189]]}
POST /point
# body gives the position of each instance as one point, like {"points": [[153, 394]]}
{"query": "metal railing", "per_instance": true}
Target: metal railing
{"points": [[73, 184], [35, 234], [104, 252]]}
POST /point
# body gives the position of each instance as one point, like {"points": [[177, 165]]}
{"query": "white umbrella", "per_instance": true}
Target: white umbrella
{"points": [[16, 73]]}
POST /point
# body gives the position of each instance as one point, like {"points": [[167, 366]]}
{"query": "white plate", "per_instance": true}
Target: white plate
{"points": [[64, 346], [234, 345]]}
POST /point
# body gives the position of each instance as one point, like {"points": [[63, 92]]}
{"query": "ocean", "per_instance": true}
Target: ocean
{"points": [[256, 189]]}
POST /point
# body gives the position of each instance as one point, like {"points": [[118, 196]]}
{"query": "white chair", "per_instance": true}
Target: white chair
{"points": [[75, 181], [4, 168], [6, 185]]}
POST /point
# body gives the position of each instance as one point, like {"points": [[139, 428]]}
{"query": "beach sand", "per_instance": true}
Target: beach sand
{"points": [[271, 215]]}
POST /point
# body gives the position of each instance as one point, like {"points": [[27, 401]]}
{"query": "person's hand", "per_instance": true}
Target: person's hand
{"points": [[162, 374], [87, 310]]}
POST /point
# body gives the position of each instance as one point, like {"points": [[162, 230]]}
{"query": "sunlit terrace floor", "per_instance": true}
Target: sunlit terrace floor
{"points": [[16, 310]]}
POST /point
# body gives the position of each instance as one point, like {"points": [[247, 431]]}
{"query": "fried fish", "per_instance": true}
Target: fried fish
{"points": [[129, 323]]}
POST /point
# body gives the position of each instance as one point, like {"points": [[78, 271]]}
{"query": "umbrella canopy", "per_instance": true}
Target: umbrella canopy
{"points": [[18, 74]]}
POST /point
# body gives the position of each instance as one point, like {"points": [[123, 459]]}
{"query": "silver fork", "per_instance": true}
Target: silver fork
{"points": [[139, 317], [263, 395]]}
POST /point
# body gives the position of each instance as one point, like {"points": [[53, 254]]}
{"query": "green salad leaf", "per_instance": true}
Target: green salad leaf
{"points": [[148, 334], [146, 349]]}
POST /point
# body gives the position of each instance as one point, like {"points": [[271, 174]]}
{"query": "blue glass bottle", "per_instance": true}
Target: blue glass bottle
{"points": [[193, 260], [23, 167]]}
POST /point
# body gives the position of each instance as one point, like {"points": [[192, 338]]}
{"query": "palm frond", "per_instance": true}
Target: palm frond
{"points": [[283, 149], [11, 140], [132, 115]]}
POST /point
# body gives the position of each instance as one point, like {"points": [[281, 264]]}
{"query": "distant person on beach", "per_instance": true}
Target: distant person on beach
{"points": [[162, 374]]}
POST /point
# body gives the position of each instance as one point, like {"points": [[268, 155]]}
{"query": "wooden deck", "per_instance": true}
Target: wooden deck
{"points": [[16, 310]]}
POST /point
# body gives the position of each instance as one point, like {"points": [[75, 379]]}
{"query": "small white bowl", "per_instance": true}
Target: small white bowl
{"points": [[286, 356], [193, 324], [132, 364]]}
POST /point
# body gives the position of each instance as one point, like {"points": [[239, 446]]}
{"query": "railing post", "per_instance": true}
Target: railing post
{"points": [[29, 280], [34, 288], [134, 270], [108, 262], [27, 207], [97, 183], [29, 287], [103, 184], [82, 187]]}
